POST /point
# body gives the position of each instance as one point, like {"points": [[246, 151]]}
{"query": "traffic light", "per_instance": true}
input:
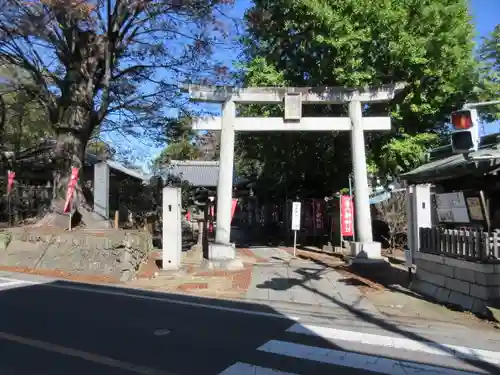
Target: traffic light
{"points": [[465, 131]]}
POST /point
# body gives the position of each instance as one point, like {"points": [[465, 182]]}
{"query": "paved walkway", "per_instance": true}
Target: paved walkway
{"points": [[311, 283], [304, 282]]}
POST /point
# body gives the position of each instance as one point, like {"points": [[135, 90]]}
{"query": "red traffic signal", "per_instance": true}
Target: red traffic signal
{"points": [[462, 120]]}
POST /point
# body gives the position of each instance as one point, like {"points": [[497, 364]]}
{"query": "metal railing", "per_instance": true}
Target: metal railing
{"points": [[468, 243]]}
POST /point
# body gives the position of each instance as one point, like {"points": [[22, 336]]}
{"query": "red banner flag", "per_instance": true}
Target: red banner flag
{"points": [[71, 188], [346, 216], [233, 207], [11, 175]]}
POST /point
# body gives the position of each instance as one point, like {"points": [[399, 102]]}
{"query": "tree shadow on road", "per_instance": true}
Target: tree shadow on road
{"points": [[61, 327], [307, 274]]}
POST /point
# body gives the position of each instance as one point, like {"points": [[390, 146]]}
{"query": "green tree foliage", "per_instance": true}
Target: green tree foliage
{"points": [[404, 153], [489, 85], [180, 139], [101, 149], [26, 122], [356, 43], [183, 143], [107, 64]]}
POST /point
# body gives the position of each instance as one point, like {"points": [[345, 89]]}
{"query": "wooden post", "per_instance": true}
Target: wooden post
{"points": [[117, 218]]}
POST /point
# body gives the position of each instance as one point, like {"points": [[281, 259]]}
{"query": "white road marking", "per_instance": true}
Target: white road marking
{"points": [[11, 283], [175, 302], [241, 368], [355, 360], [8, 282], [90, 357], [19, 281], [397, 343]]}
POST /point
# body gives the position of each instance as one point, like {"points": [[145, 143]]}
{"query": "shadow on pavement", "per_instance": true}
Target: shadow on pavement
{"points": [[307, 274], [393, 278], [65, 328]]}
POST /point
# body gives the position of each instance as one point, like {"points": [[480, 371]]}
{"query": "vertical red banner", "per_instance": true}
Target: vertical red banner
{"points": [[346, 216], [211, 214], [71, 188], [11, 175], [234, 204], [233, 207]]}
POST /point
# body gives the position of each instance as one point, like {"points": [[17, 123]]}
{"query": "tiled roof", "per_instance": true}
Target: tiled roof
{"points": [[196, 172], [92, 159], [477, 163]]}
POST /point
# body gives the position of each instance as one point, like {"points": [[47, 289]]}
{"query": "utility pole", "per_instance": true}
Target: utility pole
{"points": [[480, 104]]}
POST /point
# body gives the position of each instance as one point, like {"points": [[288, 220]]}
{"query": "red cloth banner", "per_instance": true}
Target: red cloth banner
{"points": [[11, 175], [346, 216], [233, 207], [71, 188], [211, 219], [234, 204]]}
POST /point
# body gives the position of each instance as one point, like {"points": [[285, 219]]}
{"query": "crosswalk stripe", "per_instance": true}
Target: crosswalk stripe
{"points": [[12, 283], [354, 360], [241, 368], [397, 342]]}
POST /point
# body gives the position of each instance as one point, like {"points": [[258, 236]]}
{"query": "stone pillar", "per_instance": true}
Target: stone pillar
{"points": [[364, 249], [222, 252], [101, 189], [419, 214], [172, 228]]}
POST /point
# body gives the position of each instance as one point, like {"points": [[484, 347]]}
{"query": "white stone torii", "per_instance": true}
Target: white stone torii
{"points": [[222, 251]]}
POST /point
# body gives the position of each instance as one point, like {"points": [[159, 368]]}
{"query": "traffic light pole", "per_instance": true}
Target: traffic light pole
{"points": [[480, 104]]}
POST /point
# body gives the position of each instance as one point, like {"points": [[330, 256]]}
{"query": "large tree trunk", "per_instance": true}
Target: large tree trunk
{"points": [[74, 121], [70, 153]]}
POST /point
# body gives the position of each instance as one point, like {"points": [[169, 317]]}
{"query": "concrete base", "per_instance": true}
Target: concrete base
{"points": [[221, 251], [366, 250], [227, 264], [222, 256]]}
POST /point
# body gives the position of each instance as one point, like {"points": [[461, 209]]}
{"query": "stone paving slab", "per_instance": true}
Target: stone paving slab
{"points": [[309, 285], [273, 255]]}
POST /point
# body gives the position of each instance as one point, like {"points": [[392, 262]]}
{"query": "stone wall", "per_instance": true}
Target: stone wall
{"points": [[472, 286], [116, 254]]}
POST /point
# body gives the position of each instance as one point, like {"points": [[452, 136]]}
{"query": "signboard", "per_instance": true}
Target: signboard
{"points": [[71, 188], [296, 216], [346, 216], [475, 208], [11, 175], [452, 208], [293, 106], [101, 189]]}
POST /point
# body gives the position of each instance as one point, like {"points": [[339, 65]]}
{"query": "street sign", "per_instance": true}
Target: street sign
{"points": [[296, 216], [295, 224], [347, 216]]}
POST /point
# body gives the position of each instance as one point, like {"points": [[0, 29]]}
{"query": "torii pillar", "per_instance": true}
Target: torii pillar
{"points": [[222, 252]]}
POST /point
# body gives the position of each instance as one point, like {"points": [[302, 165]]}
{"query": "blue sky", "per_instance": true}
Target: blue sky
{"points": [[484, 12]]}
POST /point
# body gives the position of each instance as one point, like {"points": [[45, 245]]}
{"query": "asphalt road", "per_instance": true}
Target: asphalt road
{"points": [[62, 328]]}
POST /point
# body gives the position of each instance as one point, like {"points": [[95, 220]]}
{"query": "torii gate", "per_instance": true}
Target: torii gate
{"points": [[222, 251]]}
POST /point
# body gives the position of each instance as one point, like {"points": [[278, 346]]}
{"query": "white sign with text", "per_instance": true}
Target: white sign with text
{"points": [[296, 216]]}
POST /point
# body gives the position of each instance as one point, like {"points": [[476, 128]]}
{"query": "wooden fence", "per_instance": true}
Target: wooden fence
{"points": [[468, 243]]}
